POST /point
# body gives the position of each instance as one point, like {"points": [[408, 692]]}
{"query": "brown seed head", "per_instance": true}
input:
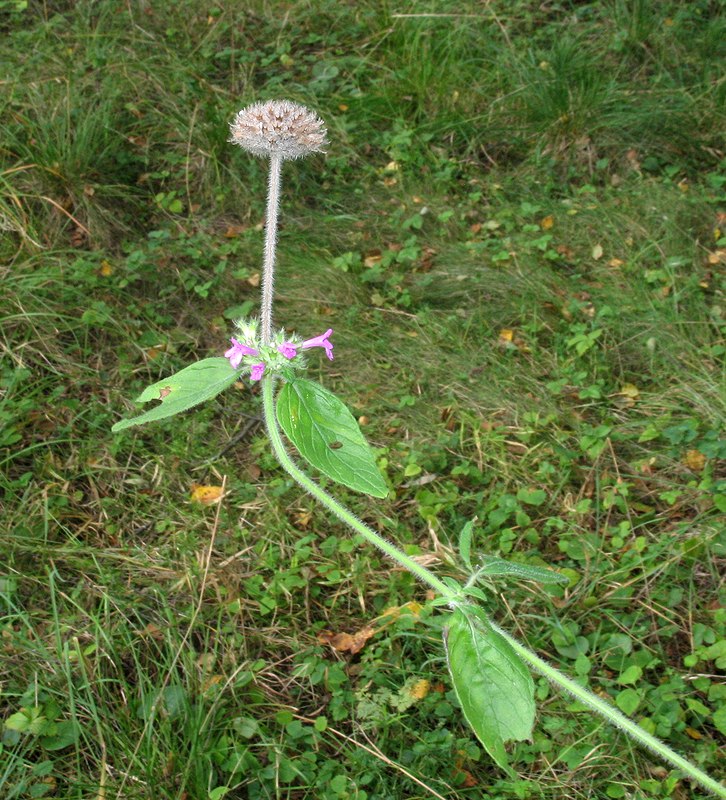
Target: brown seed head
{"points": [[279, 127]]}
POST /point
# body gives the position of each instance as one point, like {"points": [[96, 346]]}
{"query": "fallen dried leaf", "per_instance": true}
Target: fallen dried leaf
{"points": [[206, 495], [353, 643], [420, 689], [694, 460]]}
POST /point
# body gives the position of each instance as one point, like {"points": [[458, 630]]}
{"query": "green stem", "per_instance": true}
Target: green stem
{"points": [[601, 707], [340, 511], [612, 715]]}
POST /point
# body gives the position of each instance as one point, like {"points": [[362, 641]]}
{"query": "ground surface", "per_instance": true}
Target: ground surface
{"points": [[518, 238]]}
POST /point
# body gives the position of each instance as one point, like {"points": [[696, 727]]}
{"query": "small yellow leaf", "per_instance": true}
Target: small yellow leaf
{"points": [[506, 334], [615, 263], [254, 280], [694, 734], [206, 495], [630, 390], [211, 682], [420, 689], [547, 222], [597, 252], [106, 268], [694, 460]]}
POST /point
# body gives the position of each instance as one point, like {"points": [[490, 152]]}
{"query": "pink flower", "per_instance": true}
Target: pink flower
{"points": [[237, 352], [321, 341], [256, 371], [288, 349]]}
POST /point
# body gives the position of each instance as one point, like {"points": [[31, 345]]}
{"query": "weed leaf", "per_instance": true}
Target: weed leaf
{"points": [[328, 437], [494, 566], [189, 387], [465, 543], [493, 685]]}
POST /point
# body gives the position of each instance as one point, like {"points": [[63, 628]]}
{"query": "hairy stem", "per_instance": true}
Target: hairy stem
{"points": [[592, 701], [612, 715], [268, 267]]}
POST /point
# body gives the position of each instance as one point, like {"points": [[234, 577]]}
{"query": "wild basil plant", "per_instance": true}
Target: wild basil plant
{"points": [[490, 670]]}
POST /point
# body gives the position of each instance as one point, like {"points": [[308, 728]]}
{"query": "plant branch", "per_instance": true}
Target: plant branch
{"points": [[612, 715]]}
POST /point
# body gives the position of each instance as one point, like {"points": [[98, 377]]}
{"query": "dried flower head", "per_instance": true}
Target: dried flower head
{"points": [[279, 127]]}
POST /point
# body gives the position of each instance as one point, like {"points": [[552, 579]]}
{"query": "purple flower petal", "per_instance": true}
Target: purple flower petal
{"points": [[256, 371], [288, 349], [320, 341], [236, 353]]}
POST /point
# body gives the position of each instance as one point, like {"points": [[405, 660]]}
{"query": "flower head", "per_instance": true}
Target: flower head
{"points": [[320, 341], [236, 353], [256, 371], [288, 349], [279, 127]]}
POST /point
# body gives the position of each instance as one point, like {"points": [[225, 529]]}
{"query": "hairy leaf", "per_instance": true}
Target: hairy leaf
{"points": [[493, 685], [328, 437], [189, 387], [498, 566]]}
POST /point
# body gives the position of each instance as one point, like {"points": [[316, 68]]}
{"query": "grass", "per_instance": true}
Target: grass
{"points": [[517, 235]]}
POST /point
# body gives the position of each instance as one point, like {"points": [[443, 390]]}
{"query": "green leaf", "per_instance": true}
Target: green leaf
{"points": [[66, 733], [631, 674], [328, 437], [189, 387], [719, 719], [499, 566], [465, 543], [533, 497], [627, 701], [17, 722], [494, 687]]}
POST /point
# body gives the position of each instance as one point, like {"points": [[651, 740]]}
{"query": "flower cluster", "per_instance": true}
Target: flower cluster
{"points": [[280, 128], [283, 352]]}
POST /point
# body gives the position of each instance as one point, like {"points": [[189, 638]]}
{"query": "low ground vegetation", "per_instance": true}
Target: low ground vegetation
{"points": [[518, 235]]}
